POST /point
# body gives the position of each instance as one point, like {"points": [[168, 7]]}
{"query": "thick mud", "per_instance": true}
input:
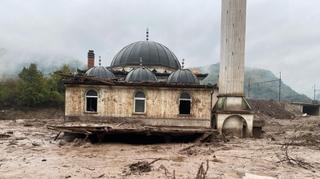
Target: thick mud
{"points": [[28, 150]]}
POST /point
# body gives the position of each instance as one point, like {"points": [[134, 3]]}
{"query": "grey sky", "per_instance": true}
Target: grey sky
{"points": [[282, 35]]}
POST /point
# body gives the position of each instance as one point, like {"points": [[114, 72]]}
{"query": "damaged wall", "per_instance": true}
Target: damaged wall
{"points": [[161, 103]]}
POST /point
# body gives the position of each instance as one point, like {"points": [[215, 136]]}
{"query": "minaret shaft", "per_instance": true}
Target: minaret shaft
{"points": [[233, 30], [233, 113]]}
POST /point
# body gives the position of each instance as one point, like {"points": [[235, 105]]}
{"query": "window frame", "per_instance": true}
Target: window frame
{"points": [[139, 98], [185, 99], [86, 100]]}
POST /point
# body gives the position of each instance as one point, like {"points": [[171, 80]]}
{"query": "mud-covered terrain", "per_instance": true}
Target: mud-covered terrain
{"points": [[289, 149]]}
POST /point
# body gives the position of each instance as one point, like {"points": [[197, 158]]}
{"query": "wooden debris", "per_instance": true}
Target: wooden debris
{"points": [[2, 136], [202, 173], [140, 167], [57, 136], [167, 173], [294, 161]]}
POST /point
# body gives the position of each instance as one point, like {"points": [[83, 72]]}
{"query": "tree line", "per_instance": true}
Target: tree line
{"points": [[34, 89]]}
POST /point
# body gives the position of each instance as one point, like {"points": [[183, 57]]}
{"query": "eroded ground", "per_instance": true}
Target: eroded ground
{"points": [[28, 150]]}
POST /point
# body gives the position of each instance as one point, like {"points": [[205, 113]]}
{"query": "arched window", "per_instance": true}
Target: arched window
{"points": [[139, 102], [185, 103], [91, 101]]}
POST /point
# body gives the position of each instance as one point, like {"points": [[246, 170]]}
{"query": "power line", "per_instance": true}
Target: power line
{"points": [[279, 86], [315, 90], [279, 81]]}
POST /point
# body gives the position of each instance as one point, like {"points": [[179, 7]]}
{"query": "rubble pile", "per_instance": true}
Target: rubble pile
{"points": [[270, 109]]}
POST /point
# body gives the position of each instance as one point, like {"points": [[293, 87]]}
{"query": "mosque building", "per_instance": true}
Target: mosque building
{"points": [[145, 81]]}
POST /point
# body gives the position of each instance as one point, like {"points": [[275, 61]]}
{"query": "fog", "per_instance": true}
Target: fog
{"points": [[282, 36]]}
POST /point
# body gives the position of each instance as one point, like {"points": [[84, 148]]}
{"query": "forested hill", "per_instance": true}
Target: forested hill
{"points": [[257, 90]]}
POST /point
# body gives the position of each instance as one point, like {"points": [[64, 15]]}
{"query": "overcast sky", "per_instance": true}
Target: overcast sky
{"points": [[282, 35]]}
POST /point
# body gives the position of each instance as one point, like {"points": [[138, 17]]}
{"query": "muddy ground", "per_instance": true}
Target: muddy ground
{"points": [[28, 150]]}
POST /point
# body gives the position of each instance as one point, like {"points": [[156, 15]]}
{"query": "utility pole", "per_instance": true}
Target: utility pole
{"points": [[280, 87], [314, 92], [249, 87]]}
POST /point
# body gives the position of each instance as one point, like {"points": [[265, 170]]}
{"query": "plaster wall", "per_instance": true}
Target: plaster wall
{"points": [[161, 103]]}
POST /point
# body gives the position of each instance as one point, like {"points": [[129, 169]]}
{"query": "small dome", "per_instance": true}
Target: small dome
{"points": [[141, 74], [183, 76], [152, 54], [100, 72]]}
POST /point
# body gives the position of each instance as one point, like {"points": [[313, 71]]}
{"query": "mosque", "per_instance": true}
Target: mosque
{"points": [[146, 83]]}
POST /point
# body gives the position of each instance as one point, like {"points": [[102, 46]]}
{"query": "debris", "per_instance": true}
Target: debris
{"points": [[294, 161], [167, 173], [273, 109], [44, 160], [196, 149], [62, 143], [36, 144], [89, 168], [9, 132], [28, 124], [140, 167], [2, 136], [202, 173], [100, 176], [57, 136], [20, 138], [215, 159]]}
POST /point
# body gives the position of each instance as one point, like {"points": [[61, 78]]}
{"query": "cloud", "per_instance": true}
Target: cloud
{"points": [[281, 35]]}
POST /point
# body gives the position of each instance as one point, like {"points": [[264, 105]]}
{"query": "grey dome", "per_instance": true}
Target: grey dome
{"points": [[100, 72], [183, 76], [141, 74], [152, 54]]}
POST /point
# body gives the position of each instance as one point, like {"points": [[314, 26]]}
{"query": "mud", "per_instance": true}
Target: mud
{"points": [[28, 150], [270, 109]]}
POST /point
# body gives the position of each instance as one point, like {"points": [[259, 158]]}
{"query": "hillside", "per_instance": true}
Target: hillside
{"points": [[264, 91], [12, 62]]}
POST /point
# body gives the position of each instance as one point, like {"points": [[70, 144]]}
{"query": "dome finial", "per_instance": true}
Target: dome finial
{"points": [[99, 60], [147, 34], [182, 64], [140, 61]]}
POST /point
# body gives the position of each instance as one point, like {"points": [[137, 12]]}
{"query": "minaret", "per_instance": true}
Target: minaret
{"points": [[233, 113], [233, 30]]}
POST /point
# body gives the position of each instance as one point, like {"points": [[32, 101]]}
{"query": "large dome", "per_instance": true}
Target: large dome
{"points": [[153, 54]]}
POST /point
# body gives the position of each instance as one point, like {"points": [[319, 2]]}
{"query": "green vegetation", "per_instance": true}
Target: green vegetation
{"points": [[33, 89]]}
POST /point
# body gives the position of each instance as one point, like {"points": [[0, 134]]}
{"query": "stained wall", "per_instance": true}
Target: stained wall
{"points": [[161, 103]]}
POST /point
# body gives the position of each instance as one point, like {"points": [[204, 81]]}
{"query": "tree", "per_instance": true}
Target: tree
{"points": [[55, 85], [8, 92], [32, 89]]}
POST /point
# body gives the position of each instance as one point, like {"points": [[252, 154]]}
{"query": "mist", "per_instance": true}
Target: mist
{"points": [[282, 36]]}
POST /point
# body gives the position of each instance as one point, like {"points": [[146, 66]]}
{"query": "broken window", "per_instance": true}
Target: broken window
{"points": [[91, 101], [139, 102], [185, 103]]}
